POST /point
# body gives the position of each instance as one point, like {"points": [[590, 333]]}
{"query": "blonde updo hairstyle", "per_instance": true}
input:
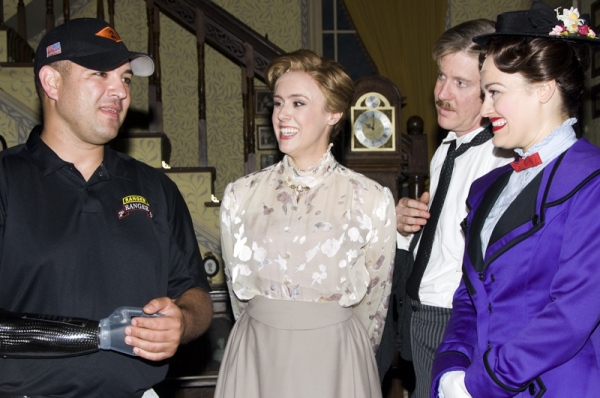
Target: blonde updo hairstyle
{"points": [[334, 82]]}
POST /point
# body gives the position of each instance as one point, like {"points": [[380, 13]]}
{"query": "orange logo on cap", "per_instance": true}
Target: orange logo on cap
{"points": [[109, 33]]}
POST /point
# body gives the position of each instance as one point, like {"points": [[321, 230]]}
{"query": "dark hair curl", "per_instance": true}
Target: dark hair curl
{"points": [[541, 60]]}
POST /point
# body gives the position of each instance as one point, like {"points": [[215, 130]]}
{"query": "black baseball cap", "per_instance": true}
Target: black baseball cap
{"points": [[91, 43]]}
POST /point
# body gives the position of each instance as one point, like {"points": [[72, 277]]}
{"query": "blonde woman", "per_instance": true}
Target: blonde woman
{"points": [[309, 247]]}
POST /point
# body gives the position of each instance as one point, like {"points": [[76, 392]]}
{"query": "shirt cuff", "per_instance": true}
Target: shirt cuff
{"points": [[403, 242], [452, 385]]}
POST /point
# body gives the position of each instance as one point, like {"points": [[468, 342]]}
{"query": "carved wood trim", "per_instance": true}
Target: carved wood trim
{"points": [[100, 9], [111, 12], [18, 50], [202, 130], [21, 20], [248, 103], [232, 38], [224, 32], [49, 15], [66, 10], [154, 82]]}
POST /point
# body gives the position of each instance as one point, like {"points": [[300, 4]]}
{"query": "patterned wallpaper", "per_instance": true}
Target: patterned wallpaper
{"points": [[10, 7], [281, 21], [465, 10], [130, 22], [178, 56], [8, 127], [18, 82], [224, 116]]}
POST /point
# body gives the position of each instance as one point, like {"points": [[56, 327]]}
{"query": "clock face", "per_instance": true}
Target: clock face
{"points": [[373, 128], [211, 266]]}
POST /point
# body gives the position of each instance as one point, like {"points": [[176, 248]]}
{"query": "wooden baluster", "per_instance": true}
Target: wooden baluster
{"points": [[66, 10], [202, 130], [157, 72], [22, 22], [154, 87], [248, 103], [111, 12], [49, 15], [151, 78], [100, 9], [245, 120]]}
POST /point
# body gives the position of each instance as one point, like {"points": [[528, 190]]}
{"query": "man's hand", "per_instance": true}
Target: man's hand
{"points": [[183, 320], [412, 214]]}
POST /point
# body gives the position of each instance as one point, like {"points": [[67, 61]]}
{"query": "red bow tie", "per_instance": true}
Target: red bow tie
{"points": [[525, 163]]}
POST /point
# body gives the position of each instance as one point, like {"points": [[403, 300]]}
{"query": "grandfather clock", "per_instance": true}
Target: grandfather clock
{"points": [[374, 145]]}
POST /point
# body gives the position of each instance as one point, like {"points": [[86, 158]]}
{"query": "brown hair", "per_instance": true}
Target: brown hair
{"points": [[460, 38], [334, 82], [541, 60]]}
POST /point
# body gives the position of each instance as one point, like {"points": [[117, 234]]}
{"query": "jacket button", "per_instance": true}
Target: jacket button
{"points": [[532, 388], [493, 278], [490, 307], [481, 276]]}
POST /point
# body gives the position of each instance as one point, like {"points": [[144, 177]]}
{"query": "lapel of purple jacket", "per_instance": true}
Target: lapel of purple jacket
{"points": [[559, 180]]}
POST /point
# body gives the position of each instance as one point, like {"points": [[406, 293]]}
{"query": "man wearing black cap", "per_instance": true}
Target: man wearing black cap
{"points": [[84, 229]]}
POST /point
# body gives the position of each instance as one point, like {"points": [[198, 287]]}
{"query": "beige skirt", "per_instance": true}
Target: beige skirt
{"points": [[289, 349]]}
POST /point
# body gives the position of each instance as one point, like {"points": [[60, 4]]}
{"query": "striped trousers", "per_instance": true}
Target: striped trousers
{"points": [[427, 326]]}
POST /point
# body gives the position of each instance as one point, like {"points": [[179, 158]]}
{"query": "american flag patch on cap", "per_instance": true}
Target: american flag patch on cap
{"points": [[54, 49]]}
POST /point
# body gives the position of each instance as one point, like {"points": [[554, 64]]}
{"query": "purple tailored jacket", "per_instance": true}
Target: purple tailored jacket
{"points": [[526, 314]]}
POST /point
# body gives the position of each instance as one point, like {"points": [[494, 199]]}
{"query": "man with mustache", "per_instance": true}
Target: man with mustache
{"points": [[438, 249], [85, 229]]}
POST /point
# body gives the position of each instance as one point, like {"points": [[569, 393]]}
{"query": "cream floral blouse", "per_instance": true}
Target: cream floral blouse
{"points": [[322, 234]]}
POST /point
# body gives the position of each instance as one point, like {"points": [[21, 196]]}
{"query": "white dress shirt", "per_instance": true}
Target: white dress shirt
{"points": [[444, 270]]}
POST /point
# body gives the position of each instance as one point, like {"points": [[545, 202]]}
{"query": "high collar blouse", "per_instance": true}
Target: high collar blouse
{"points": [[322, 234]]}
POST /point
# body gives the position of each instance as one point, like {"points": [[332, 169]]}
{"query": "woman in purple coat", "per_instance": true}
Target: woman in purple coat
{"points": [[526, 314]]}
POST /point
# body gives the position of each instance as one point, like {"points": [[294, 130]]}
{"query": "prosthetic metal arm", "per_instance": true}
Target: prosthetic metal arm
{"points": [[44, 336]]}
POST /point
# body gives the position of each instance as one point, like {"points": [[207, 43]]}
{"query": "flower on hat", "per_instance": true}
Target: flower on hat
{"points": [[571, 25], [558, 30], [570, 19], [586, 31]]}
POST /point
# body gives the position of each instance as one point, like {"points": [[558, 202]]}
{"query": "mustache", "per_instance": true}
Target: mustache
{"points": [[444, 105]]}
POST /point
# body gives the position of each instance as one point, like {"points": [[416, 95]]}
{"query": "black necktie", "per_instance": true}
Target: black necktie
{"points": [[424, 252]]}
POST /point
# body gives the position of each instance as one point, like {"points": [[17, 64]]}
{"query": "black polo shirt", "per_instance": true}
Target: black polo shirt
{"points": [[74, 248]]}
